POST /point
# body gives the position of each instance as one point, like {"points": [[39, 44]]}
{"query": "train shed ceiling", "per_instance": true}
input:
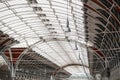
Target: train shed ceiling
{"points": [[52, 28]]}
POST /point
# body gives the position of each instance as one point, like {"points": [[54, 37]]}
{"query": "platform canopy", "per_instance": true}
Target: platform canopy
{"points": [[57, 26]]}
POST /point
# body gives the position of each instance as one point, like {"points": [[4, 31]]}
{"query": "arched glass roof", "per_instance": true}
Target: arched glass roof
{"points": [[58, 26]]}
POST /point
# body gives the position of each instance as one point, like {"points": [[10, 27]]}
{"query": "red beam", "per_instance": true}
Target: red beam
{"points": [[16, 52], [99, 52]]}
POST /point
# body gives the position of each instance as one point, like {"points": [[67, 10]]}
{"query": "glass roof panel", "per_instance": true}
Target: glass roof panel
{"points": [[14, 2], [3, 13]]}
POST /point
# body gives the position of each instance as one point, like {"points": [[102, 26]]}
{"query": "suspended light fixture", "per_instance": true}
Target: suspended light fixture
{"points": [[69, 30], [67, 22], [76, 47]]}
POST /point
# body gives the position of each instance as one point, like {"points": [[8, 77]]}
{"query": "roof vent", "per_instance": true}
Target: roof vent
{"points": [[32, 1], [41, 37], [42, 15], [53, 32], [51, 28], [45, 20], [48, 24], [37, 8]]}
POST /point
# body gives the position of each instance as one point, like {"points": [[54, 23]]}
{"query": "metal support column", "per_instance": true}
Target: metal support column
{"points": [[12, 69]]}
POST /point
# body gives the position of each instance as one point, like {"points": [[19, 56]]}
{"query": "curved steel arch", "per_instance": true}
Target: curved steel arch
{"points": [[73, 64], [87, 6], [96, 11], [4, 57], [105, 8], [47, 40], [102, 58], [42, 41], [114, 28]]}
